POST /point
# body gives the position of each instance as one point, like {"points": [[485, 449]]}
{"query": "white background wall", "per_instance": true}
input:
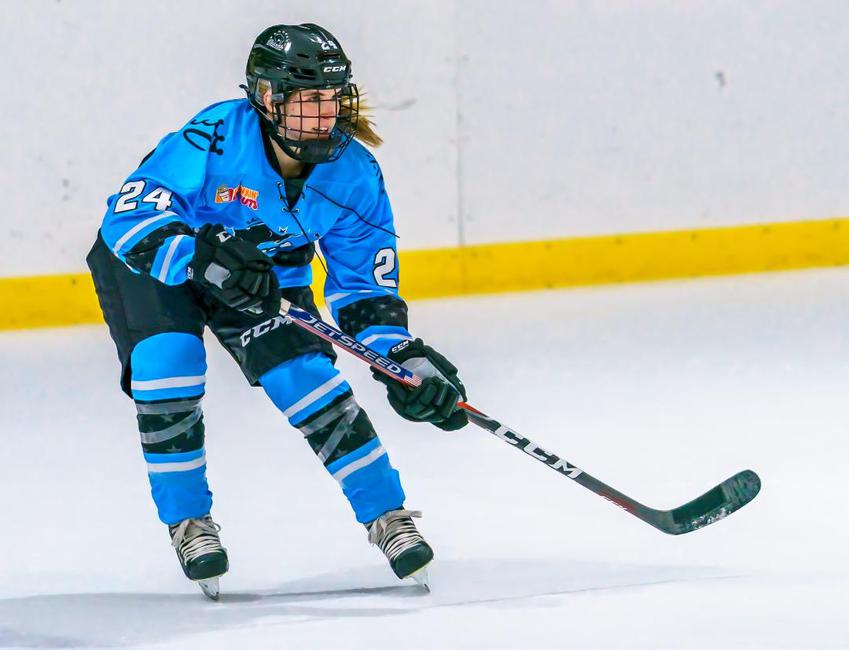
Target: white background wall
{"points": [[503, 121]]}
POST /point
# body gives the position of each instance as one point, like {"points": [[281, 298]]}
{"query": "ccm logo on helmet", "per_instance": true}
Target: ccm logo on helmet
{"points": [[333, 68]]}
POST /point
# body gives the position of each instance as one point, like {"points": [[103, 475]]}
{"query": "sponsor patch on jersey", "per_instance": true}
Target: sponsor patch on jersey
{"points": [[245, 195]]}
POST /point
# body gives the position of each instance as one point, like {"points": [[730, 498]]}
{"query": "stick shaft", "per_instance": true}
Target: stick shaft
{"points": [[711, 506], [388, 367]]}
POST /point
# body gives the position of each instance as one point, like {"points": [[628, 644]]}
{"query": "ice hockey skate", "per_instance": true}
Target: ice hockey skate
{"points": [[200, 552], [408, 553]]}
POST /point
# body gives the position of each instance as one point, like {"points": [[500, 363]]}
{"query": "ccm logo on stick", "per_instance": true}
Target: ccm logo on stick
{"points": [[531, 449]]}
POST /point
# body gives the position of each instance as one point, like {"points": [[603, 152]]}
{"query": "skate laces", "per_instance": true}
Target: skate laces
{"points": [[394, 532], [195, 537]]}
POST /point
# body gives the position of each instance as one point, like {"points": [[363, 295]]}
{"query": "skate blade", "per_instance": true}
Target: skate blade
{"points": [[422, 578], [210, 588]]}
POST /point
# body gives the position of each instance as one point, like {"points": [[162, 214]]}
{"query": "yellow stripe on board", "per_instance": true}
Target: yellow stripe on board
{"points": [[47, 301], [44, 301], [633, 257]]}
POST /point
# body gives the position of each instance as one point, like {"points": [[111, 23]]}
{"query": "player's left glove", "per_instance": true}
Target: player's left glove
{"points": [[435, 400]]}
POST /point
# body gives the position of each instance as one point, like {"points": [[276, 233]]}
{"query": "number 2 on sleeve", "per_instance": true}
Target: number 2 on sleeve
{"points": [[384, 264]]}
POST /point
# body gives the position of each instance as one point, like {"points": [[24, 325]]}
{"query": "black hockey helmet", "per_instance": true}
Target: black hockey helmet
{"points": [[289, 58]]}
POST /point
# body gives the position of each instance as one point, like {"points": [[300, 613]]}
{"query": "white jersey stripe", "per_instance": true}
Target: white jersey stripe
{"points": [[163, 274], [140, 226], [334, 297]]}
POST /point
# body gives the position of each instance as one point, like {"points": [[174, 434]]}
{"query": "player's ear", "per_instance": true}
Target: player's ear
{"points": [[266, 100]]}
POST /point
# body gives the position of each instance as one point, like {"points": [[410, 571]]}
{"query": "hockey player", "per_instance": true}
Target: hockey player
{"points": [[218, 222]]}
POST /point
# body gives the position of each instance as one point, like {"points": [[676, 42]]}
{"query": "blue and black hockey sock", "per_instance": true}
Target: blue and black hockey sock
{"points": [[315, 398], [168, 380]]}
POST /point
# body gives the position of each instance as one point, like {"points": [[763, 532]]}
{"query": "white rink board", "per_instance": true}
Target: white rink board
{"points": [[503, 122], [662, 390]]}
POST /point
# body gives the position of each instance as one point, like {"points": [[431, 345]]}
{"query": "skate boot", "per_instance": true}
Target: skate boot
{"points": [[200, 552], [395, 534]]}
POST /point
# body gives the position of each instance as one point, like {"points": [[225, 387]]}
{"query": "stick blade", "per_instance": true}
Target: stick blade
{"points": [[714, 505]]}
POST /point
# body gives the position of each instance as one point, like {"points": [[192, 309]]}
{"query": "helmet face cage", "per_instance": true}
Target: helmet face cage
{"points": [[314, 106], [315, 125]]}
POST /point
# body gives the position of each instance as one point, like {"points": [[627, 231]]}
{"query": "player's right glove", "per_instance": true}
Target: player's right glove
{"points": [[234, 271]]}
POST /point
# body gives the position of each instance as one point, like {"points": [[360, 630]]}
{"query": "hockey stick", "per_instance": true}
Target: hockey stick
{"points": [[715, 504]]}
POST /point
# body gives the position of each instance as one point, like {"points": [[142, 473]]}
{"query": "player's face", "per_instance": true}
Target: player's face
{"points": [[309, 114]]}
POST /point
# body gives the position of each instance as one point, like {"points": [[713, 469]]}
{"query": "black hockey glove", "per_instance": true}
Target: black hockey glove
{"points": [[234, 271], [435, 401]]}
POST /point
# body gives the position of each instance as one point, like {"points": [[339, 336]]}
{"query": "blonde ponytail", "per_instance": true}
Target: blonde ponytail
{"points": [[365, 127]]}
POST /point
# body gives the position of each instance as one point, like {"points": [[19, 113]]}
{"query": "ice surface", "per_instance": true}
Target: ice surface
{"points": [[661, 390]]}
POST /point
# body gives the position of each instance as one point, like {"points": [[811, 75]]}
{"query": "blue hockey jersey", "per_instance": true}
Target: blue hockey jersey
{"points": [[215, 170]]}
